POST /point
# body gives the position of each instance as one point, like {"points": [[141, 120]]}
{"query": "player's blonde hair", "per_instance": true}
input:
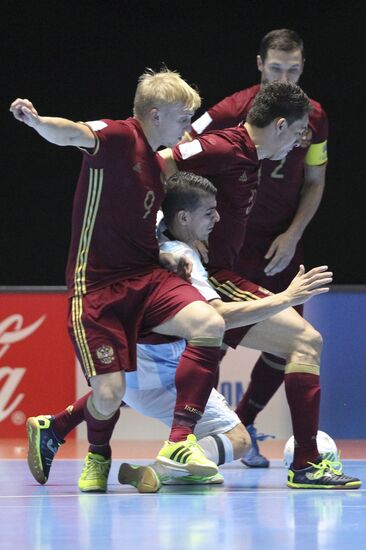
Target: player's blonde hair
{"points": [[163, 88]]}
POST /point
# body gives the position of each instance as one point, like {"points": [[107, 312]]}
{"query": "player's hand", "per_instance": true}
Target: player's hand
{"points": [[305, 285], [280, 253], [24, 111], [181, 265]]}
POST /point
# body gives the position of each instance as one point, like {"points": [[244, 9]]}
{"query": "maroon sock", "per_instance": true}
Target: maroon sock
{"points": [[100, 432], [266, 378], [194, 381], [69, 418], [303, 396]]}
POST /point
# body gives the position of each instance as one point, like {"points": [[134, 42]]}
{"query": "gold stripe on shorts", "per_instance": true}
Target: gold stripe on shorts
{"points": [[232, 291], [91, 209]]}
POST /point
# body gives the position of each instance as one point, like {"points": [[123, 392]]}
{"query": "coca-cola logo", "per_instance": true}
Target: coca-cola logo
{"points": [[11, 332]]}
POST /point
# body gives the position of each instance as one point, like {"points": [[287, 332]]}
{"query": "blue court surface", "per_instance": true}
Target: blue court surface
{"points": [[253, 510]]}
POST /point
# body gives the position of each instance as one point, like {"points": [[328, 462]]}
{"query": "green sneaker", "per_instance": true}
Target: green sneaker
{"points": [[143, 478], [186, 456], [324, 475], [42, 446], [217, 479], [95, 473]]}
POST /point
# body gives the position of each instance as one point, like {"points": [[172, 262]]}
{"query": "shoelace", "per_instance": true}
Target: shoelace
{"points": [[94, 468], [262, 436], [325, 465], [336, 464]]}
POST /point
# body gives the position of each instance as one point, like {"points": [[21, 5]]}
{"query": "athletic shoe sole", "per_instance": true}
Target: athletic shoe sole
{"points": [[349, 485], [249, 465], [144, 478], [192, 468], [194, 480], [34, 457]]}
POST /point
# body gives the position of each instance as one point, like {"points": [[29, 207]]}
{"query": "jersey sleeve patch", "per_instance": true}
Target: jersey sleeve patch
{"points": [[190, 149], [317, 154], [201, 123]]}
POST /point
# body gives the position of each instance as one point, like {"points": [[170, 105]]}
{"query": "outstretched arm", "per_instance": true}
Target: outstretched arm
{"points": [[300, 290], [54, 129]]}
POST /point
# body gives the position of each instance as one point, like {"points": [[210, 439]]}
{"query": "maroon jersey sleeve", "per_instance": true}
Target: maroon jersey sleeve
{"points": [[207, 155], [227, 113], [317, 135], [318, 122], [112, 137]]}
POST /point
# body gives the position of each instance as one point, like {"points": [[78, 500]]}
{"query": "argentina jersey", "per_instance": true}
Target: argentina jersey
{"points": [[156, 365]]}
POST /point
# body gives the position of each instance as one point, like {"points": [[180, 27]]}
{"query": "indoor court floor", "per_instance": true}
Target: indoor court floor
{"points": [[253, 509]]}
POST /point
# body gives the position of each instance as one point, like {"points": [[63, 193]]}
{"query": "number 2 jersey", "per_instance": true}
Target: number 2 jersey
{"points": [[118, 194]]}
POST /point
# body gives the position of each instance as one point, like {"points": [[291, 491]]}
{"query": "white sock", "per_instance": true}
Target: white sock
{"points": [[218, 448]]}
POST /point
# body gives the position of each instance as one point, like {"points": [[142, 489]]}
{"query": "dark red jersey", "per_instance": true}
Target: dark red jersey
{"points": [[281, 181], [117, 197], [229, 159]]}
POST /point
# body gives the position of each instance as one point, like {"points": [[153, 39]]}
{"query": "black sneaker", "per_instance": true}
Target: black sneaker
{"points": [[324, 475], [42, 446]]}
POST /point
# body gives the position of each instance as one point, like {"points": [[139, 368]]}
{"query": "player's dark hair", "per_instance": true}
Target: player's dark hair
{"points": [[184, 191], [281, 39], [278, 100]]}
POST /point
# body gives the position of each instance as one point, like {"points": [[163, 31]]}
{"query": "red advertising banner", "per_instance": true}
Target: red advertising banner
{"points": [[37, 361]]}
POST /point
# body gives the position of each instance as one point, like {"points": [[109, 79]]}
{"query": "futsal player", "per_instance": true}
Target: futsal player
{"points": [[288, 197], [275, 124], [117, 287]]}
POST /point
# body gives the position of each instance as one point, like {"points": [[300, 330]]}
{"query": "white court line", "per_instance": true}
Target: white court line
{"points": [[317, 492]]}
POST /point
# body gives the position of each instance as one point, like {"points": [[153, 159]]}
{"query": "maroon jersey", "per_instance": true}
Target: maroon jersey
{"points": [[229, 159], [117, 197], [281, 180], [280, 189]]}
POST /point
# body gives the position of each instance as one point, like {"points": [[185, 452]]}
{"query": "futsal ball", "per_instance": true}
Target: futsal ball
{"points": [[326, 447]]}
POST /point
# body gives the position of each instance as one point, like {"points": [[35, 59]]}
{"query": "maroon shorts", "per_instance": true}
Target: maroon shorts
{"points": [[105, 324], [233, 288]]}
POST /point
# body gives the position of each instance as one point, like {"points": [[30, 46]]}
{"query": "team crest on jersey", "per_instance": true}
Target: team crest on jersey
{"points": [[306, 138], [137, 168], [105, 354]]}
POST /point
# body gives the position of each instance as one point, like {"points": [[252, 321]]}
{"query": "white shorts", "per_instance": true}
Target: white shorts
{"points": [[159, 403]]}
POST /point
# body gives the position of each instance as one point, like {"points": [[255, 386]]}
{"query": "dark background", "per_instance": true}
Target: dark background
{"points": [[81, 60]]}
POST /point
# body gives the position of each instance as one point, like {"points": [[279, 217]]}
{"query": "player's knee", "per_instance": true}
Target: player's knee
{"points": [[209, 323], [108, 394], [312, 339], [317, 340], [107, 402], [240, 440]]}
